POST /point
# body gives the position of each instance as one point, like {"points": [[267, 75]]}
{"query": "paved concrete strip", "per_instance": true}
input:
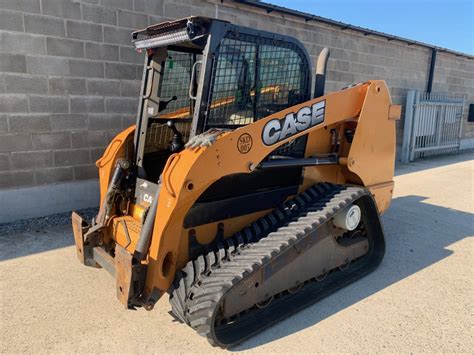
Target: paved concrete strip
{"points": [[419, 300]]}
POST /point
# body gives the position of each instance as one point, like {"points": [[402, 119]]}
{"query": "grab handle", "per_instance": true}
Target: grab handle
{"points": [[170, 165], [193, 77]]}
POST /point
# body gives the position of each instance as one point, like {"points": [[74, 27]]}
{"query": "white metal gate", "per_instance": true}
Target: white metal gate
{"points": [[433, 124]]}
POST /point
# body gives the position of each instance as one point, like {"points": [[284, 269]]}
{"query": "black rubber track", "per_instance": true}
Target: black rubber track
{"points": [[200, 288]]}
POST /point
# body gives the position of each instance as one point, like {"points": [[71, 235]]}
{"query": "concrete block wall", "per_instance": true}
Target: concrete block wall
{"points": [[456, 75], [69, 82], [69, 77], [356, 57]]}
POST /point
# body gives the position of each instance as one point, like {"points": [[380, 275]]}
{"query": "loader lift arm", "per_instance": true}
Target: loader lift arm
{"points": [[190, 172]]}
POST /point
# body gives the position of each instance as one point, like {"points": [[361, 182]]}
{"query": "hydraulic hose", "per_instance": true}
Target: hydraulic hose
{"points": [[113, 189]]}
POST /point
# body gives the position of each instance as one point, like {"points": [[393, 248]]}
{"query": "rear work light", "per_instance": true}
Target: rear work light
{"points": [[163, 39], [169, 33]]}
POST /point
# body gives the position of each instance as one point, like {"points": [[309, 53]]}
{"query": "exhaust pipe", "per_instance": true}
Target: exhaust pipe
{"points": [[320, 79]]}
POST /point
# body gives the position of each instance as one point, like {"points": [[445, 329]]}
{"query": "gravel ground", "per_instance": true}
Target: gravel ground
{"points": [[419, 300], [41, 224]]}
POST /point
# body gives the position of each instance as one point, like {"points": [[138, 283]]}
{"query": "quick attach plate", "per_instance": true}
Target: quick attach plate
{"points": [[79, 228], [130, 277]]}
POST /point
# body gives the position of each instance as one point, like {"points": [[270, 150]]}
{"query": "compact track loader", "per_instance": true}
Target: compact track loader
{"points": [[238, 192]]}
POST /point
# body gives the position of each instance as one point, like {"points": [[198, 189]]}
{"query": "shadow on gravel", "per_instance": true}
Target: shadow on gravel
{"points": [[417, 236], [35, 241], [37, 235]]}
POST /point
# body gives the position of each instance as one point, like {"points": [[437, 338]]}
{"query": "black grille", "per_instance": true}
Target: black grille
{"points": [[254, 77]]}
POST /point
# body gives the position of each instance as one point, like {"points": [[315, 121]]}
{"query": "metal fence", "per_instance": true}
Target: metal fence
{"points": [[433, 124]]}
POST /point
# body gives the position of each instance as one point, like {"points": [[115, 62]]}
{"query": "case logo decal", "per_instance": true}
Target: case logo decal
{"points": [[277, 130]]}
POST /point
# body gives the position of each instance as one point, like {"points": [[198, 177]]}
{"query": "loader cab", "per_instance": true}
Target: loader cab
{"points": [[202, 73]]}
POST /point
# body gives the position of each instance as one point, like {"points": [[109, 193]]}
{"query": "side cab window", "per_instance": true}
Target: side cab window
{"points": [[254, 77]]}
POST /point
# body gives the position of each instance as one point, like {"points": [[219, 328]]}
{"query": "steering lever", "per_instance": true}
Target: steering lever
{"points": [[177, 143]]}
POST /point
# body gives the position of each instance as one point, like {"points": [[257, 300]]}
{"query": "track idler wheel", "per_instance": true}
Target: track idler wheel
{"points": [[264, 304]]}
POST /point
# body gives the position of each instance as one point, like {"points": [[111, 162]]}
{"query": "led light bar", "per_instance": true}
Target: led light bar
{"points": [[163, 39]]}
